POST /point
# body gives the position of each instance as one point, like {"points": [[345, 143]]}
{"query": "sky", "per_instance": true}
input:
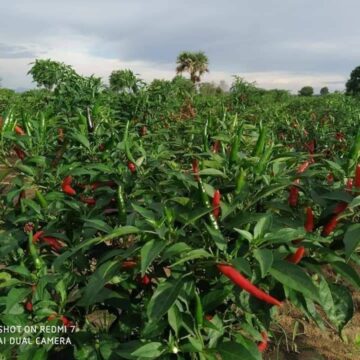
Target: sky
{"points": [[282, 44]]}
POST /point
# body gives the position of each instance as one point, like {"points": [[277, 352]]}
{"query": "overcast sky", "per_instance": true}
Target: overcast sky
{"points": [[277, 43]]}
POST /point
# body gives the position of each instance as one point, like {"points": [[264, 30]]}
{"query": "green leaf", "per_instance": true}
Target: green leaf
{"points": [[26, 169], [149, 252], [98, 225], [285, 235], [212, 172], [347, 272], [246, 234], [338, 195], [82, 139], [174, 250], [174, 319], [235, 351], [14, 297], [217, 237], [262, 226], [164, 297], [6, 280], [265, 259], [351, 240], [293, 277], [343, 307], [354, 203], [97, 281], [149, 351], [116, 233], [191, 255]]}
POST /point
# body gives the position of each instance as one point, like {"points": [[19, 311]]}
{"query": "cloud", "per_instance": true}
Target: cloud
{"points": [[285, 44]]}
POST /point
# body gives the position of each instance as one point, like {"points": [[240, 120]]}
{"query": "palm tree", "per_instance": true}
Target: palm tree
{"points": [[195, 63]]}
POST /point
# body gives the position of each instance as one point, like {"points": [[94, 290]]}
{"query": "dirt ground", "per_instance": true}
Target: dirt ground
{"points": [[312, 343]]}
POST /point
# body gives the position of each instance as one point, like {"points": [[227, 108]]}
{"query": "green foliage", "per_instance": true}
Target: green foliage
{"points": [[124, 81], [195, 63], [324, 90], [306, 91], [353, 84], [143, 283]]}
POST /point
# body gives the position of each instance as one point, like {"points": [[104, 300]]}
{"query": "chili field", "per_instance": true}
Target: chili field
{"points": [[177, 221]]}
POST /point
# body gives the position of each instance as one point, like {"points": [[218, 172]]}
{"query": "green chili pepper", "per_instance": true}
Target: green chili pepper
{"points": [[42, 126], [260, 144], [126, 143], [354, 152], [9, 121], [38, 261], [205, 136], [234, 149], [199, 315], [42, 201], [83, 126], [264, 160], [235, 122], [240, 182], [206, 203], [22, 206], [121, 205], [28, 128]]}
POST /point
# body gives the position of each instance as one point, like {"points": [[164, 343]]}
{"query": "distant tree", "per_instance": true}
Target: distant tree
{"points": [[210, 88], [183, 84], [49, 73], [124, 80], [306, 91], [324, 90], [195, 63], [353, 84]]}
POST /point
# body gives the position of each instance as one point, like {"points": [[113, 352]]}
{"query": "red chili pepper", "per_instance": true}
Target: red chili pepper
{"points": [[131, 166], [102, 147], [340, 136], [37, 236], [216, 203], [340, 207], [66, 186], [330, 226], [245, 284], [143, 130], [33, 288], [66, 322], [297, 256], [302, 167], [29, 306], [128, 264], [88, 200], [60, 135], [216, 146], [293, 196], [145, 280], [357, 177], [262, 346], [195, 169], [349, 185], [19, 153], [208, 317], [330, 178], [52, 317], [53, 242], [311, 146], [309, 223], [19, 130]]}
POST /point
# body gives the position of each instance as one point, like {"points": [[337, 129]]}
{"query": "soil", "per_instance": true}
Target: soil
{"points": [[312, 343]]}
